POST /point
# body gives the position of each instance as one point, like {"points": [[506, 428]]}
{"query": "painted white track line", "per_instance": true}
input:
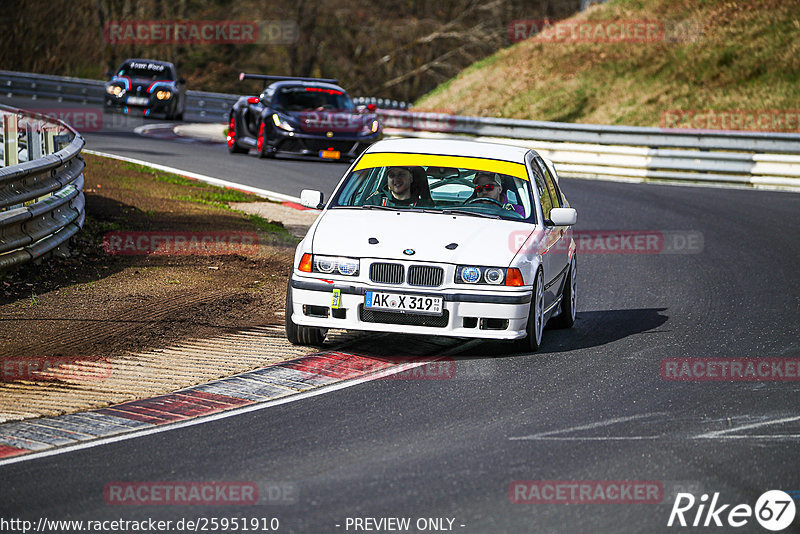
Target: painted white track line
{"points": [[264, 193]]}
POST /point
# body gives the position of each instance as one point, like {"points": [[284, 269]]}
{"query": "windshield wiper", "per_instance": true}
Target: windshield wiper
{"points": [[471, 213], [373, 207]]}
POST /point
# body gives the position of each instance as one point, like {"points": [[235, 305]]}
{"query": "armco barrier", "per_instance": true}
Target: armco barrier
{"points": [[41, 197], [759, 159]]}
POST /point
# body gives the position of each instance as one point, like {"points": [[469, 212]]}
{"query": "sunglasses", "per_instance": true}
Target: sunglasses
{"points": [[486, 187]]}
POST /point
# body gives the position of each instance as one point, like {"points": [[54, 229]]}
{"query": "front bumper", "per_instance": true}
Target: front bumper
{"points": [[305, 144], [154, 105], [484, 314]]}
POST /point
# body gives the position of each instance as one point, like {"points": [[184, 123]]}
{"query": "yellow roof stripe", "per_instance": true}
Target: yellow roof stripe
{"points": [[391, 159]]}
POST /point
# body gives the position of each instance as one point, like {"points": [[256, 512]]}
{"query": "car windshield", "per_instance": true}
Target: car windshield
{"points": [[146, 70], [305, 98], [476, 186]]}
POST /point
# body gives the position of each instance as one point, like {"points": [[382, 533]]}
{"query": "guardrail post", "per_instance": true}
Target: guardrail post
{"points": [[49, 140], [10, 142]]}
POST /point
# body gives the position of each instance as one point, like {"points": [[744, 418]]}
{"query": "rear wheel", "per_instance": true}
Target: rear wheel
{"points": [[298, 334], [569, 298], [533, 340], [233, 148], [264, 150]]}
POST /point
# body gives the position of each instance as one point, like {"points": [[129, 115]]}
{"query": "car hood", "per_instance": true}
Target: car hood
{"points": [[481, 241], [331, 121]]}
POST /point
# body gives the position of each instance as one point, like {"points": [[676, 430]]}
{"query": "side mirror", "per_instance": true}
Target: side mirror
{"points": [[109, 73], [182, 81], [311, 198], [563, 216]]}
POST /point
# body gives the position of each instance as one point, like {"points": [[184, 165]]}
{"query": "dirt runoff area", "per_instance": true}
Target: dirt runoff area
{"points": [[166, 286]]}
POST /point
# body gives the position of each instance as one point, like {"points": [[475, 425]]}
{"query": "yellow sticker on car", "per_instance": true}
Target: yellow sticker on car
{"points": [[337, 299], [391, 159]]}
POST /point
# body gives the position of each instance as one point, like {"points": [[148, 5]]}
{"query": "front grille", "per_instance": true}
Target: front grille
{"points": [[374, 316], [386, 273], [425, 275], [315, 145]]}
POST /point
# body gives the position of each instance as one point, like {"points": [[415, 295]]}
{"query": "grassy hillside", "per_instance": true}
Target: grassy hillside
{"points": [[715, 54]]}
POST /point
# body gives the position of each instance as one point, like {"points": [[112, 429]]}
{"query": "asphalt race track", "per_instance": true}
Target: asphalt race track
{"points": [[591, 405]]}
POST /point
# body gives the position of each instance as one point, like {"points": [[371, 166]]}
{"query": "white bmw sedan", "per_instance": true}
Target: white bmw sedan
{"points": [[439, 237]]}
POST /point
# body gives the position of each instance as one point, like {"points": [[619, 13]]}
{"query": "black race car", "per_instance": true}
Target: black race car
{"points": [[303, 116], [146, 87]]}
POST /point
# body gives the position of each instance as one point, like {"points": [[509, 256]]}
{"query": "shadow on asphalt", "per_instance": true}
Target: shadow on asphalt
{"points": [[591, 329]]}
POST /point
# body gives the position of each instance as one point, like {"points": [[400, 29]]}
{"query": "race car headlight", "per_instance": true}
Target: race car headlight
{"points": [[473, 274], [282, 123], [370, 127], [115, 90], [335, 265], [163, 95]]}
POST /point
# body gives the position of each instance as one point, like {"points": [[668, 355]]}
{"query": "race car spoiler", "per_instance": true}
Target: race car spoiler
{"points": [[270, 78]]}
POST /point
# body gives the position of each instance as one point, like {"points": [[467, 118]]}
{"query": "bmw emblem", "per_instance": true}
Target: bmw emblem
{"points": [[409, 252]]}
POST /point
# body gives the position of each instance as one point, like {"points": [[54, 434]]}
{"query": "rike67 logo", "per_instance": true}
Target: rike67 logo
{"points": [[774, 510]]}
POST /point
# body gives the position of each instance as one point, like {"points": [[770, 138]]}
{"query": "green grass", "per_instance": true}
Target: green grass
{"points": [[715, 55]]}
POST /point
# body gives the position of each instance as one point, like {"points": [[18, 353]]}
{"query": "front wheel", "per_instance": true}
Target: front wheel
{"points": [[533, 340], [298, 334], [569, 298], [264, 150], [233, 148]]}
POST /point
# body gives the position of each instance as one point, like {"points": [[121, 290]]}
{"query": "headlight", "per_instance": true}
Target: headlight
{"points": [[115, 90], [472, 274], [281, 123], [163, 95], [370, 128], [335, 265]]}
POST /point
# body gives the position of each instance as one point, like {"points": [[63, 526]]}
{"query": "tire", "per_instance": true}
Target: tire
{"points": [[533, 340], [569, 300], [298, 334], [233, 147], [261, 142]]}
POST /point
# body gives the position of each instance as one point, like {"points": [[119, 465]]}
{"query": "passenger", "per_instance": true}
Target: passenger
{"points": [[405, 187], [489, 185]]}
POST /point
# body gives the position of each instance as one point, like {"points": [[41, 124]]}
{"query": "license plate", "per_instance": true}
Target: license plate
{"points": [[330, 154], [137, 100], [421, 304]]}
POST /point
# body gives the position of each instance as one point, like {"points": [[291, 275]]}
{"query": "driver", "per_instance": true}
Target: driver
{"points": [[488, 185], [403, 188]]}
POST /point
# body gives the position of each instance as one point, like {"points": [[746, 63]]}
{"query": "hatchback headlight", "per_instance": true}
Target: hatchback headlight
{"points": [[370, 127], [115, 90], [163, 95], [335, 265], [283, 124], [495, 276]]}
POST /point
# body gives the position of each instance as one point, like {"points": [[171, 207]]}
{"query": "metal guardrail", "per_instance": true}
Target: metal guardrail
{"points": [[585, 150], [212, 105], [41, 197], [202, 103]]}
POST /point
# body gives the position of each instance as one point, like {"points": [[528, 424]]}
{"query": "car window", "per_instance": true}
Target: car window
{"points": [[541, 188], [555, 196], [435, 188], [305, 98]]}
